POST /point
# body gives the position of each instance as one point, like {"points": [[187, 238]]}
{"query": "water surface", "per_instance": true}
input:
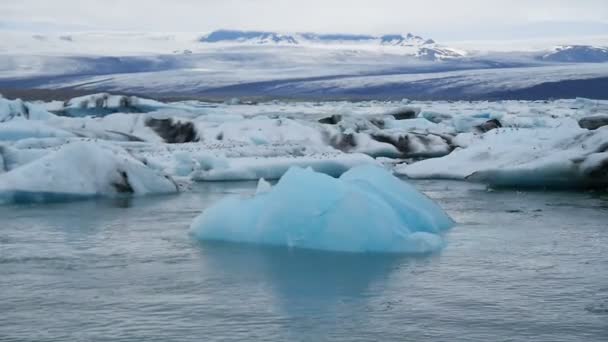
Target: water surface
{"points": [[520, 266]]}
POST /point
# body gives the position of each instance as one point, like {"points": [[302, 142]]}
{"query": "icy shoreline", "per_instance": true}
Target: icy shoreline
{"points": [[506, 143]]}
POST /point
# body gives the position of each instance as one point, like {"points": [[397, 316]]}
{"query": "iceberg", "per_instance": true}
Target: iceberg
{"points": [[20, 110], [103, 104], [80, 170], [367, 209], [253, 168], [563, 157], [499, 143], [24, 129]]}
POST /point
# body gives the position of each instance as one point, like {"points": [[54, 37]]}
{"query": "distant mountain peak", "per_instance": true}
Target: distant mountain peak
{"points": [[418, 46], [269, 37], [577, 54], [236, 36]]}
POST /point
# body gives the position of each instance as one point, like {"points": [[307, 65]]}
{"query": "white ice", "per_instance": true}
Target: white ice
{"points": [[543, 157], [79, 170], [540, 144]]}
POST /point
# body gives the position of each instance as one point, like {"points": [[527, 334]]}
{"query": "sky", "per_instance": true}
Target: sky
{"points": [[440, 19]]}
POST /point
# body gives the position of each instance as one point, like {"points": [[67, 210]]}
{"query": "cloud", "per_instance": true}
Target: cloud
{"points": [[440, 18]]}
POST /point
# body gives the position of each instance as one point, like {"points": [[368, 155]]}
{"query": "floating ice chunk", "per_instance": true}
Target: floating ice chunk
{"points": [[259, 131], [465, 123], [103, 104], [594, 121], [404, 113], [417, 124], [18, 109], [367, 209], [23, 129], [416, 145], [253, 168], [81, 170], [562, 157], [233, 101], [436, 117], [11, 158], [186, 163], [263, 187], [364, 143]]}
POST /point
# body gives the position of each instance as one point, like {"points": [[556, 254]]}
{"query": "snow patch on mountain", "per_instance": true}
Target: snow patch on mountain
{"points": [[257, 37], [577, 54], [425, 48]]}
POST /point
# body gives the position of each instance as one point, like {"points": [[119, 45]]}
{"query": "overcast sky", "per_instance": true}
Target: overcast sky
{"points": [[440, 19]]}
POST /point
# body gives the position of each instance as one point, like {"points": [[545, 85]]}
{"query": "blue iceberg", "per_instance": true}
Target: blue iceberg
{"points": [[367, 209]]}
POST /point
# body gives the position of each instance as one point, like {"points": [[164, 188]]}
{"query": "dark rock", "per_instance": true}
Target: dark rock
{"points": [[488, 125], [331, 120], [594, 122], [173, 132]]}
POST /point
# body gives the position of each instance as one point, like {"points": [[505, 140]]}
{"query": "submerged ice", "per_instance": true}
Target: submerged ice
{"points": [[367, 209]]}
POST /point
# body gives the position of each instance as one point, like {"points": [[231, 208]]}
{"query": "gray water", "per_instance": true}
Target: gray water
{"points": [[520, 266]]}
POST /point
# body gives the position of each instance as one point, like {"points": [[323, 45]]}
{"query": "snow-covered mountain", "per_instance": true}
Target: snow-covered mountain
{"points": [[150, 43], [418, 46], [265, 37], [225, 64], [257, 37], [577, 54]]}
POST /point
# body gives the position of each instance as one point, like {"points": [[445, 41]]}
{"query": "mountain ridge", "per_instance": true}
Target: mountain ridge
{"points": [[240, 36], [577, 54], [426, 49]]}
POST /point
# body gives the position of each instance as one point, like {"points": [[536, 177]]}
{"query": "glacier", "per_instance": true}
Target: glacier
{"points": [[259, 64], [367, 209]]}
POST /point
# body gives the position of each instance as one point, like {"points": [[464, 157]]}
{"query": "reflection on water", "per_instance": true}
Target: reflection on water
{"points": [[314, 290]]}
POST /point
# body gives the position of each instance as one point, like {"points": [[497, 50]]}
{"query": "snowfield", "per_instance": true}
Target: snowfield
{"points": [[111, 145]]}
